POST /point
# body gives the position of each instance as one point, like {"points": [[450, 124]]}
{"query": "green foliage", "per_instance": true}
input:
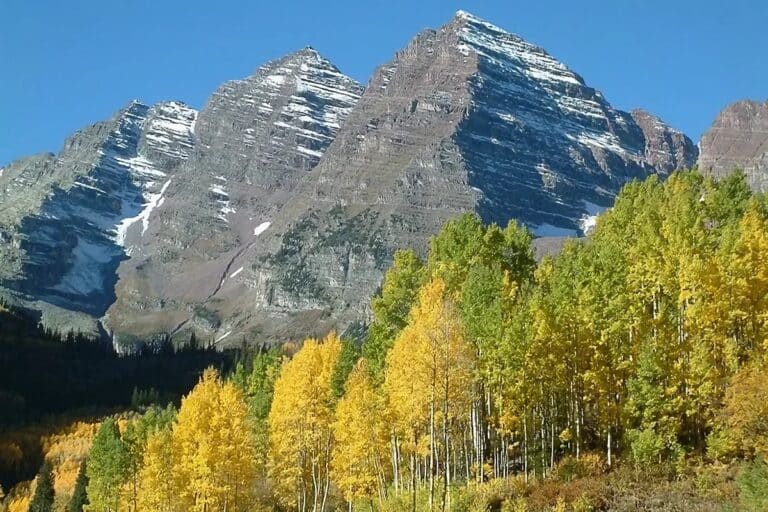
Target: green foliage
{"points": [[42, 500], [255, 375], [79, 497], [350, 353], [465, 242], [134, 439], [482, 304], [144, 397], [45, 373], [108, 467], [391, 308], [521, 385], [753, 485], [647, 447], [650, 450]]}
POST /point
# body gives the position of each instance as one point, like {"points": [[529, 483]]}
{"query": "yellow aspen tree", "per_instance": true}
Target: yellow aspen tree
{"points": [[749, 277], [157, 492], [300, 426], [429, 382], [361, 439], [213, 449], [406, 387]]}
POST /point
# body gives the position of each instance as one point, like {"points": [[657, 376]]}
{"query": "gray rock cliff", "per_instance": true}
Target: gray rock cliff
{"points": [[274, 212], [738, 139]]}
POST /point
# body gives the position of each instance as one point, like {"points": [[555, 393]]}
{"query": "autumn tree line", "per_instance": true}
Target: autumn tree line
{"points": [[642, 344]]}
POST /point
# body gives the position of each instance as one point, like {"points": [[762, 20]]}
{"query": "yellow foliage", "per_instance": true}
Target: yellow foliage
{"points": [[65, 450], [157, 490], [64, 445], [743, 423], [559, 506], [20, 504], [300, 419], [430, 369], [515, 505], [361, 439], [213, 449]]}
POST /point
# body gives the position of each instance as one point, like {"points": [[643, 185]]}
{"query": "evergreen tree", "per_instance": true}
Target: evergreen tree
{"points": [[108, 468], [42, 500], [79, 498]]}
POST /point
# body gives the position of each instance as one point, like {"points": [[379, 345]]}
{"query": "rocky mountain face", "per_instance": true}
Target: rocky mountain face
{"points": [[276, 210], [738, 139], [67, 221], [255, 141], [467, 117]]}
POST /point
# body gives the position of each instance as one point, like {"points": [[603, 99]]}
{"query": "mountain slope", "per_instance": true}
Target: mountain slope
{"points": [[256, 140], [467, 117], [274, 211], [68, 220], [738, 139]]}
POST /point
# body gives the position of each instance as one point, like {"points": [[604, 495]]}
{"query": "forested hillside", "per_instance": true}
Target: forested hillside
{"points": [[626, 373], [49, 383]]}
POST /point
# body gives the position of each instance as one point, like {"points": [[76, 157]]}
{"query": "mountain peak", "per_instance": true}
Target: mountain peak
{"points": [[737, 140], [465, 15], [465, 18], [467, 117], [308, 52]]}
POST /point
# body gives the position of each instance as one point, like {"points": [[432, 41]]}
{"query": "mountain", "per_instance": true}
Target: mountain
{"points": [[143, 211], [256, 140], [738, 139], [275, 210], [67, 220], [467, 117]]}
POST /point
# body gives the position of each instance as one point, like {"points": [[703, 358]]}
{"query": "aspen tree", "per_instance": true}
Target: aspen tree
{"points": [[300, 426], [361, 439]]}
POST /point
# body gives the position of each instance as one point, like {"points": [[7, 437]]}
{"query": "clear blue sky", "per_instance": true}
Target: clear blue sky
{"points": [[67, 64]]}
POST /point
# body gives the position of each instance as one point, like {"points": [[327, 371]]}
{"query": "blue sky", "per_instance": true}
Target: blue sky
{"points": [[67, 64]]}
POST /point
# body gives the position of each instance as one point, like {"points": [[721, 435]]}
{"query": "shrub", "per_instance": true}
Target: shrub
{"points": [[582, 504], [650, 451], [753, 485], [721, 446], [490, 495], [514, 505], [570, 468]]}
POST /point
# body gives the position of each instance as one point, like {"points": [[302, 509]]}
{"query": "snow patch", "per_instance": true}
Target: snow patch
{"points": [[218, 189], [261, 228], [588, 222], [85, 275], [222, 197], [310, 152], [235, 273], [276, 79], [223, 336], [153, 201]]}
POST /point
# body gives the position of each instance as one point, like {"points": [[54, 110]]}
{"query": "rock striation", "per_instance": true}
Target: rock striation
{"points": [[465, 118], [738, 139], [274, 211]]}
